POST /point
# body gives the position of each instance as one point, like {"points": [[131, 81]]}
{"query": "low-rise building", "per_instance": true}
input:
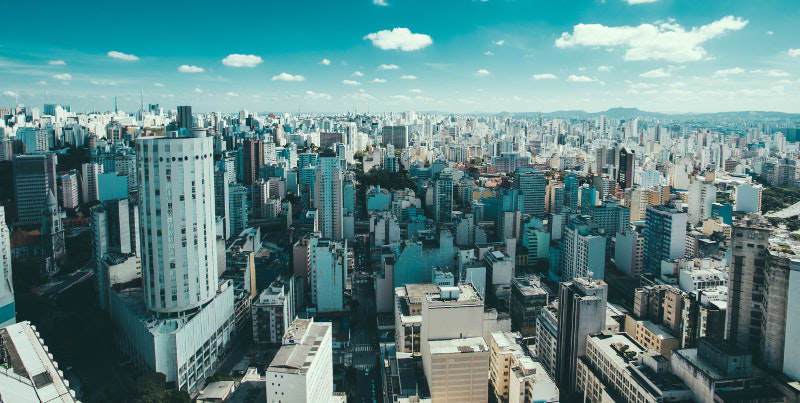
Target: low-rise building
{"points": [[302, 370]]}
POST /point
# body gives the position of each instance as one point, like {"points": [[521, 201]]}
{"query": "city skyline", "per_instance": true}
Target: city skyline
{"points": [[668, 56]]}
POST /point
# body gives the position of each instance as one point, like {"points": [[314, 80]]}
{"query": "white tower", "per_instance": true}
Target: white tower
{"points": [[176, 198]]}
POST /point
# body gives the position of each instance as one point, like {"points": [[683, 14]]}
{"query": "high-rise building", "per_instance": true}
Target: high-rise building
{"points": [[69, 190], [185, 117], [527, 301], [302, 370], [179, 252], [626, 168], [396, 136], [8, 313], [253, 159], [584, 250], [238, 208], [327, 266], [581, 312], [89, 181], [53, 246], [33, 175], [273, 311], [224, 176], [114, 225], [748, 198], [702, 195], [328, 196], [531, 185], [259, 193], [664, 237], [443, 197]]}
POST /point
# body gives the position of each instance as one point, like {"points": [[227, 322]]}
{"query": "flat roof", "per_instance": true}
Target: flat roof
{"points": [[459, 346], [297, 358]]}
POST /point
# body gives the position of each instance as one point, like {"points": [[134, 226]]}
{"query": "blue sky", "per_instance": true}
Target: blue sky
{"points": [[395, 55]]}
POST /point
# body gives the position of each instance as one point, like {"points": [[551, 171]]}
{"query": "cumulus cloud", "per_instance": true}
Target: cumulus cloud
{"points": [[350, 82], [499, 43], [104, 82], [317, 96], [772, 73], [62, 77], [185, 68], [237, 60], [605, 68], [482, 72], [388, 67], [56, 63], [415, 91], [794, 52], [408, 77], [769, 32], [657, 73], [728, 72], [325, 62], [544, 76], [581, 79], [399, 38], [488, 53], [667, 40], [288, 77], [122, 56], [381, 3], [42, 83], [198, 91], [378, 80], [10, 93], [231, 94], [158, 84], [358, 74]]}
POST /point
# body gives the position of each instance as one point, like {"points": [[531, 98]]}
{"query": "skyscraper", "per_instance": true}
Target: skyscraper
{"points": [[531, 184], [176, 199], [89, 181], [7, 310], [626, 168], [253, 159], [702, 195], [185, 117], [571, 192], [34, 174], [443, 196], [581, 312], [664, 237], [53, 233], [328, 195]]}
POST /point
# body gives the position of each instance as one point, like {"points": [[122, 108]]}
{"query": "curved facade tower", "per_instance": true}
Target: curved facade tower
{"points": [[177, 227]]}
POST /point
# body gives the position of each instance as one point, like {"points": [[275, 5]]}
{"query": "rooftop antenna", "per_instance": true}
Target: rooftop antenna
{"points": [[16, 99], [115, 105], [142, 95]]}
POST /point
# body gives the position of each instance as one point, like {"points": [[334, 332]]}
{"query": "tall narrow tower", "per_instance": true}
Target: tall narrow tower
{"points": [[53, 233], [176, 199], [328, 195]]}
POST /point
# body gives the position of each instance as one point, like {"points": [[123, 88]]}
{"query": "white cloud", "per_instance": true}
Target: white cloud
{"points": [[770, 32], [237, 60], [399, 38], [499, 43], [231, 94], [667, 40], [415, 91], [488, 53], [793, 52], [358, 74], [350, 82], [642, 86], [62, 77], [56, 63], [198, 91], [325, 62], [640, 1], [388, 67], [657, 73], [42, 83], [778, 73], [122, 56], [408, 77], [544, 76], [104, 82], [158, 84], [482, 72], [10, 93], [184, 68], [378, 80], [288, 77], [381, 3], [728, 72], [315, 96], [605, 68], [580, 79]]}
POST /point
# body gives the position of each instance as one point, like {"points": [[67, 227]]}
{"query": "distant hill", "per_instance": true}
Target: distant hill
{"points": [[632, 113]]}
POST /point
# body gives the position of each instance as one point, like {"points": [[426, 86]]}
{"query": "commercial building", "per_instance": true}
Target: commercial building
{"points": [[302, 370], [515, 376], [328, 196], [408, 315], [252, 159], [34, 174], [90, 182], [272, 312], [327, 267], [531, 185], [527, 301], [664, 237]]}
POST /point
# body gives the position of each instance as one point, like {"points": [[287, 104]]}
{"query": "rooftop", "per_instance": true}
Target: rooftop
{"points": [[297, 358], [459, 346]]}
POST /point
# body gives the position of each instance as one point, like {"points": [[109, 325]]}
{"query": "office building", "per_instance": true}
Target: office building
{"points": [[328, 197], [527, 301], [571, 192], [626, 168], [443, 197], [90, 182], [581, 312], [584, 251], [69, 190], [273, 311], [514, 375], [53, 243], [28, 372], [184, 118], [664, 237], [547, 338], [531, 185], [396, 136], [33, 175], [702, 195], [8, 313], [327, 267], [237, 213], [252, 159], [748, 198], [114, 225], [500, 270], [302, 370]]}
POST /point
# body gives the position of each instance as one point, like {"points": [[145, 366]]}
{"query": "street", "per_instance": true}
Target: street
{"points": [[364, 338]]}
